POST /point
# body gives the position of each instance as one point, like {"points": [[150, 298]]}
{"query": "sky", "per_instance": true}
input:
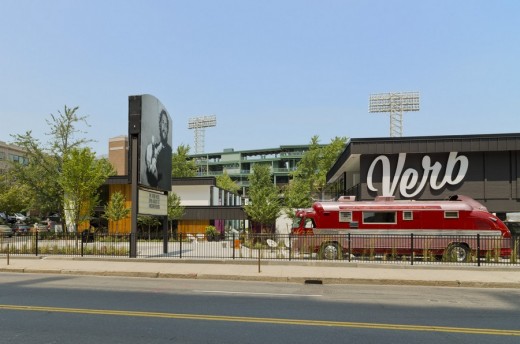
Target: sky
{"points": [[273, 72]]}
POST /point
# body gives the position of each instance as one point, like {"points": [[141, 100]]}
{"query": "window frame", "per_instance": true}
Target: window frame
{"points": [[451, 214], [408, 212], [347, 218]]}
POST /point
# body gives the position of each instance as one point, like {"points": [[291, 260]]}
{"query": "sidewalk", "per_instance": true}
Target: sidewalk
{"points": [[273, 271]]}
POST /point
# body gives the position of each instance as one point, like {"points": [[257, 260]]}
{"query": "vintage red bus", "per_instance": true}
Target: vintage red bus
{"points": [[456, 228]]}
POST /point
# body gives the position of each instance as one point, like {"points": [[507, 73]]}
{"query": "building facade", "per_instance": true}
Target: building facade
{"points": [[204, 203], [10, 153], [118, 154], [239, 164], [484, 167]]}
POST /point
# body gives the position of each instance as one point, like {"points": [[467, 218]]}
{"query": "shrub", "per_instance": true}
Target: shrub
{"points": [[211, 233]]}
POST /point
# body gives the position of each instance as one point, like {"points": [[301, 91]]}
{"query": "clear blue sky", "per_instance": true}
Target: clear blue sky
{"points": [[274, 72]]}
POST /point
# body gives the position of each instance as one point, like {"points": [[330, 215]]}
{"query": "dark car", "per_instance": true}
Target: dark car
{"points": [[21, 229], [514, 228]]}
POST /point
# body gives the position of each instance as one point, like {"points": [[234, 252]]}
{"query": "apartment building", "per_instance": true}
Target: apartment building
{"points": [[239, 164], [10, 153]]}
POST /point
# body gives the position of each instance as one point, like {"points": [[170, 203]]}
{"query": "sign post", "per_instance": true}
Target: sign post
{"points": [[150, 157]]}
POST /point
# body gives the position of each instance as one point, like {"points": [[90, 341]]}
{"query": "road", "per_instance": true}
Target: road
{"points": [[84, 309]]}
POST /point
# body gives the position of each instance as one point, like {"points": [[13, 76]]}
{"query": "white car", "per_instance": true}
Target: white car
{"points": [[18, 217]]}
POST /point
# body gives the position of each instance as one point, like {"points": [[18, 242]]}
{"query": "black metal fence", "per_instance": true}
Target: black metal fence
{"points": [[405, 249]]}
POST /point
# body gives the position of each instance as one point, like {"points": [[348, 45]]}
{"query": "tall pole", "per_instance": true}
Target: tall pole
{"points": [[199, 124], [135, 196]]}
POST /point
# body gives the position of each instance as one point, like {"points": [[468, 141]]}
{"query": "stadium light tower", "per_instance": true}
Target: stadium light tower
{"points": [[395, 104], [199, 124]]}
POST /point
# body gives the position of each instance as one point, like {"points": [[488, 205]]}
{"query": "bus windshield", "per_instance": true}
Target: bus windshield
{"points": [[296, 222]]}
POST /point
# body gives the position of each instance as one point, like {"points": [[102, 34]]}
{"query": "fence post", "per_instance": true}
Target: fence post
{"points": [[233, 245], [411, 245], [290, 246], [180, 245], [83, 239], [36, 242], [478, 249], [348, 251], [165, 235], [259, 257], [130, 242]]}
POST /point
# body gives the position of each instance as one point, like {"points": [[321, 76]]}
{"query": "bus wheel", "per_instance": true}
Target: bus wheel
{"points": [[330, 251], [458, 253]]}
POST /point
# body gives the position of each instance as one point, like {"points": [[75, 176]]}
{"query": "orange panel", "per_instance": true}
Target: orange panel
{"points": [[193, 226], [123, 226]]}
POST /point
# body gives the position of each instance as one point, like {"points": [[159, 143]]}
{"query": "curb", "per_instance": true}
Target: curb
{"points": [[298, 280]]}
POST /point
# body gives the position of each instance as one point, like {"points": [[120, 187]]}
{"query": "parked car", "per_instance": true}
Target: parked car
{"points": [[514, 227], [21, 229], [17, 217], [5, 230], [20, 217], [54, 217]]}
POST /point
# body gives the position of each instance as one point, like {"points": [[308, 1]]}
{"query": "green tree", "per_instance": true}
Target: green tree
{"points": [[14, 196], [328, 157], [41, 172], [225, 182], [175, 209], [310, 177], [80, 179], [148, 221], [264, 203], [182, 165], [297, 195], [116, 209]]}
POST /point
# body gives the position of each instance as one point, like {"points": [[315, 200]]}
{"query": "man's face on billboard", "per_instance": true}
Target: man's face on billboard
{"points": [[163, 127]]}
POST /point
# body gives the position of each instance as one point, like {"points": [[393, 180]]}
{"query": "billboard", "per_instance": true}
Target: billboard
{"points": [[150, 121]]}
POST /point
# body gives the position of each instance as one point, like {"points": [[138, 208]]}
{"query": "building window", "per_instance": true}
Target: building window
{"points": [[18, 158], [379, 217], [451, 214]]}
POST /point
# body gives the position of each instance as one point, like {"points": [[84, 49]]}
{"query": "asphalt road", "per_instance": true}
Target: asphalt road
{"points": [[82, 309]]}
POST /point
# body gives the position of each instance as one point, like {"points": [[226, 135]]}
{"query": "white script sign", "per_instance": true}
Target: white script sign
{"points": [[408, 179]]}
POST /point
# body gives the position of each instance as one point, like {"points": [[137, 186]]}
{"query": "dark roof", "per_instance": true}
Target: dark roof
{"points": [[427, 144], [252, 152], [214, 213], [118, 180], [195, 181]]}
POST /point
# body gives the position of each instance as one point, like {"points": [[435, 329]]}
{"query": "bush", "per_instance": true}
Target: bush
{"points": [[211, 233]]}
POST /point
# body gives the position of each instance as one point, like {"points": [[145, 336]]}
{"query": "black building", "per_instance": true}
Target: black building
{"points": [[484, 167]]}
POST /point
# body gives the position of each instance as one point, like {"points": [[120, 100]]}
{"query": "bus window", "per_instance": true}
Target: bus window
{"points": [[296, 222]]}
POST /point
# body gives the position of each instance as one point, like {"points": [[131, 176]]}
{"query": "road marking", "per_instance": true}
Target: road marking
{"points": [[274, 321], [251, 293]]}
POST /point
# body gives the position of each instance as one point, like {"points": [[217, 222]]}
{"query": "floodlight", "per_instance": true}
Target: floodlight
{"points": [[199, 124], [395, 104]]}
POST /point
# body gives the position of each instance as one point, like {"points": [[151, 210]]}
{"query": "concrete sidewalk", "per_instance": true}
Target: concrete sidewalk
{"points": [[274, 271]]}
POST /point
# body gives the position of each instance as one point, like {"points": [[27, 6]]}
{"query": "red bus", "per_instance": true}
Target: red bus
{"points": [[456, 228]]}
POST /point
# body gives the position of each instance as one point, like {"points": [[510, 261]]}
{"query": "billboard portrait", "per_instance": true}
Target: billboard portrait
{"points": [[155, 148]]}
